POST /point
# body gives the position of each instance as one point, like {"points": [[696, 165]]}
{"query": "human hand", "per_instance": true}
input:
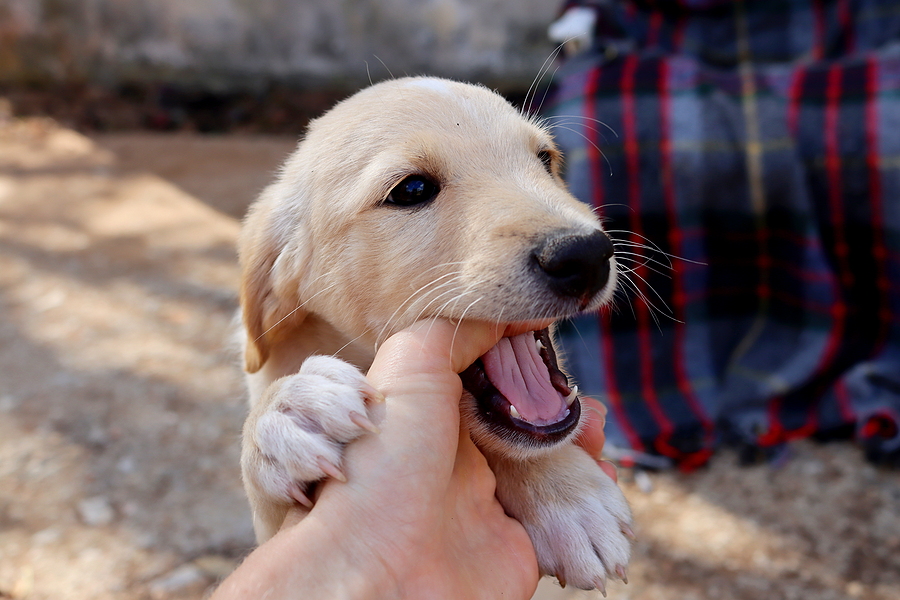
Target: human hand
{"points": [[417, 516]]}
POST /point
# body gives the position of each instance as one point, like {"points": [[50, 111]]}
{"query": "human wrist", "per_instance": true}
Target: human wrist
{"points": [[334, 563], [308, 560]]}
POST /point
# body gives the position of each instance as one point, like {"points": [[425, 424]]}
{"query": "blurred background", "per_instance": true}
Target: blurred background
{"points": [[215, 65], [133, 135]]}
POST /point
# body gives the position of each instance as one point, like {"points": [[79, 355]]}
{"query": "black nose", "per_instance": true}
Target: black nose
{"points": [[575, 266]]}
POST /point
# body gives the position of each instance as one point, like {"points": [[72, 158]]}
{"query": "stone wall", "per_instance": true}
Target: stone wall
{"points": [[227, 43]]}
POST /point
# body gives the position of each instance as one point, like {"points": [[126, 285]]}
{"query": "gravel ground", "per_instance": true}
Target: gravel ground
{"points": [[121, 402]]}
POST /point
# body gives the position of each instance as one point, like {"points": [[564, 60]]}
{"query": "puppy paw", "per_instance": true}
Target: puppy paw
{"points": [[576, 516], [584, 537], [296, 433]]}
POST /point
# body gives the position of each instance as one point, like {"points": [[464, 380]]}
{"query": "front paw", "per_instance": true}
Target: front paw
{"points": [[576, 516], [296, 432]]}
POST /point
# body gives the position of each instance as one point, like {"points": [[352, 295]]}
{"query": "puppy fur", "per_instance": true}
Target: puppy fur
{"points": [[330, 269]]}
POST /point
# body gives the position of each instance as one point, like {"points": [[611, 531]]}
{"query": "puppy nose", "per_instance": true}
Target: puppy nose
{"points": [[575, 266]]}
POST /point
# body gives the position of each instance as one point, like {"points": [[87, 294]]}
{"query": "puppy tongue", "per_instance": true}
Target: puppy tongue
{"points": [[516, 369]]}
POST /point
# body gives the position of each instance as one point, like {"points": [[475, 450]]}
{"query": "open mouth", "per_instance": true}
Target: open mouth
{"points": [[520, 391]]}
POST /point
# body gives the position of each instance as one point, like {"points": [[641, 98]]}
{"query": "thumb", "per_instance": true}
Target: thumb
{"points": [[435, 345], [417, 371]]}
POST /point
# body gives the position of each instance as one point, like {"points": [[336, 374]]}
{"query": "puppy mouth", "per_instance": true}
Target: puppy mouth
{"points": [[520, 392]]}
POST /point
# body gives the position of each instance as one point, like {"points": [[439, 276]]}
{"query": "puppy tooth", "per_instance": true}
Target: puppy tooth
{"points": [[620, 571], [363, 421], [513, 412], [540, 346], [628, 531], [572, 395], [300, 497], [331, 470]]}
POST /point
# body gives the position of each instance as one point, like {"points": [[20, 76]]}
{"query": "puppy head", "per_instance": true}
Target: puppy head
{"points": [[415, 198]]}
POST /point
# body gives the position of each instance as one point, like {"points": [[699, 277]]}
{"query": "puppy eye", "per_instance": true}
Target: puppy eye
{"points": [[413, 190], [547, 159]]}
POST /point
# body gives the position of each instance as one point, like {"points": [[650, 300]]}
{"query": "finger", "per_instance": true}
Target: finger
{"points": [[591, 436], [610, 469], [417, 372], [419, 366], [473, 338], [414, 371], [438, 344]]}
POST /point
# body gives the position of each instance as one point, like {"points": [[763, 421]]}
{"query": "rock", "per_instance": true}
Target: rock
{"points": [[178, 580], [215, 566], [50, 535], [96, 511]]}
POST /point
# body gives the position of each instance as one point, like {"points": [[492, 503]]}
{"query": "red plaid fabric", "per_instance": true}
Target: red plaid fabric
{"points": [[759, 142]]}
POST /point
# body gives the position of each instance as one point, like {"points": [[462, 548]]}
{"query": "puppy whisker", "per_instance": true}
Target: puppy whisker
{"points": [[642, 261], [460, 320], [650, 245], [581, 118], [654, 310], [589, 141], [544, 97], [453, 263], [642, 251], [639, 266], [628, 284], [532, 89], [453, 300], [301, 305], [449, 292], [356, 339], [406, 303]]}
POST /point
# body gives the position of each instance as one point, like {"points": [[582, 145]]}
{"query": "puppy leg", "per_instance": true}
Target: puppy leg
{"points": [[295, 434], [576, 516]]}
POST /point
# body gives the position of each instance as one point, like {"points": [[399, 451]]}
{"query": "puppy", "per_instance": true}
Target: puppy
{"points": [[415, 198]]}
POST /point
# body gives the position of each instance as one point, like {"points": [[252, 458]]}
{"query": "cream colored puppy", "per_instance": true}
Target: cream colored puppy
{"points": [[424, 197]]}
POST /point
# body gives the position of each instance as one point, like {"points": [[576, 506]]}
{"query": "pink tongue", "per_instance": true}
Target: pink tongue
{"points": [[518, 372]]}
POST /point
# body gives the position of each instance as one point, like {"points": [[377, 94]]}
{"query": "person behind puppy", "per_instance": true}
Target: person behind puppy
{"points": [[758, 142], [417, 517]]}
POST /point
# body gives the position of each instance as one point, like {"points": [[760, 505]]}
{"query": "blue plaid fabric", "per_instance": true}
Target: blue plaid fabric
{"points": [[745, 156]]}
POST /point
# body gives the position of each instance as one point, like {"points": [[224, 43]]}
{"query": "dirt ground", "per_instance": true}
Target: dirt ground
{"points": [[121, 403]]}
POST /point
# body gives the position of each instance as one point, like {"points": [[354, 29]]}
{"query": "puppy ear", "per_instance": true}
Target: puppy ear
{"points": [[269, 307], [254, 292]]}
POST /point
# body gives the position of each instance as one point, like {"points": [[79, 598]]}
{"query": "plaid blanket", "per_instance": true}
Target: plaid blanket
{"points": [[745, 156]]}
